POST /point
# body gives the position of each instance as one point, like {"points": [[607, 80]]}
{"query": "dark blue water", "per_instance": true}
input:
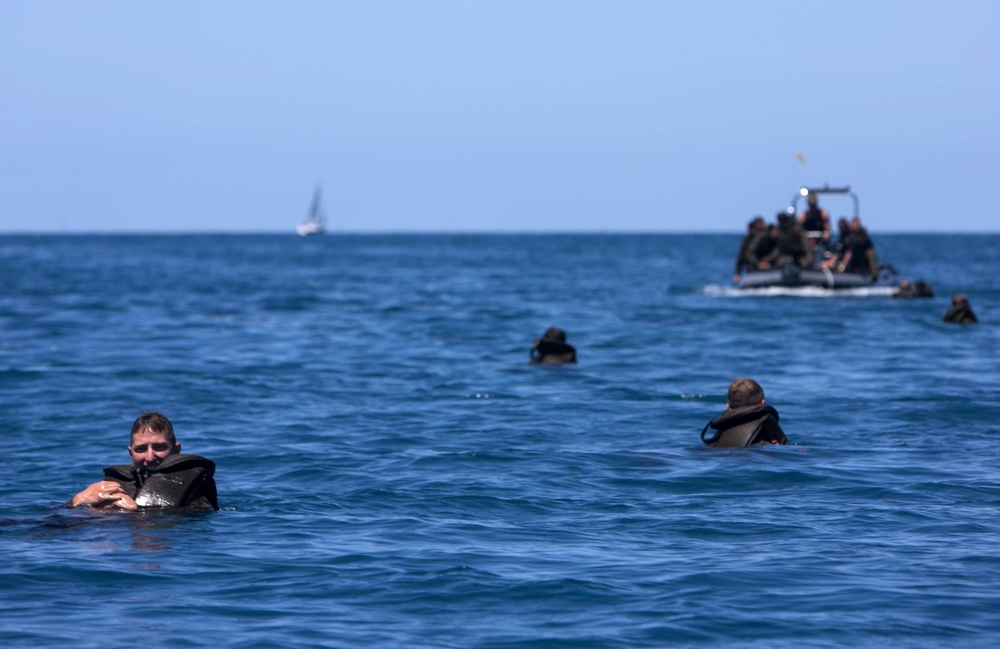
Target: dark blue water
{"points": [[394, 474]]}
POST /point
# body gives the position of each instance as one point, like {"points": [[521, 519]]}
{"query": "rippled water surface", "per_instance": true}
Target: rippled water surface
{"points": [[393, 473]]}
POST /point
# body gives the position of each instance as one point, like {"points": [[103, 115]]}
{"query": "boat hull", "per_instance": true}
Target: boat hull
{"points": [[308, 228], [799, 277]]}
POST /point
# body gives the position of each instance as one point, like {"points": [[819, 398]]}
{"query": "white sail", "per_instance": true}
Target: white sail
{"points": [[315, 222]]}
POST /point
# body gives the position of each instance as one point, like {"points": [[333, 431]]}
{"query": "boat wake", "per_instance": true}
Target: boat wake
{"points": [[717, 290]]}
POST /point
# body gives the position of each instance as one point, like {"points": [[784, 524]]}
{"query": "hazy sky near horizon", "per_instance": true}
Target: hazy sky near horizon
{"points": [[504, 116]]}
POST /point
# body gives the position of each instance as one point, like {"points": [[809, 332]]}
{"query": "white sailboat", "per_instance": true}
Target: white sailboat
{"points": [[315, 222]]}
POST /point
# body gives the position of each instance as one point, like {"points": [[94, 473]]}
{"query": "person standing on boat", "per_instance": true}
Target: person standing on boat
{"points": [[747, 420], [159, 475], [755, 227], [816, 222]]}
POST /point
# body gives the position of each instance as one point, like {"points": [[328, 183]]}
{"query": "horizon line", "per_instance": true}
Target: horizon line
{"points": [[336, 233]]}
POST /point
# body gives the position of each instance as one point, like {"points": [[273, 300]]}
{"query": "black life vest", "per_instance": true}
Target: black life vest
{"points": [[745, 426], [177, 481], [960, 314], [549, 351], [813, 220]]}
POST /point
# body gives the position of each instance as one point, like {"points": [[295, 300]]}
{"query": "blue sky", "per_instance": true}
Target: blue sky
{"points": [[494, 117]]}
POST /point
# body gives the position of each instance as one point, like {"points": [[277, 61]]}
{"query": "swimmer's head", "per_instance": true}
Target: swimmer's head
{"points": [[743, 392], [554, 335], [152, 440]]}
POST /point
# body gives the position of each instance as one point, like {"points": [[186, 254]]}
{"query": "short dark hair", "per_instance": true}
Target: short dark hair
{"points": [[745, 391], [554, 335], [155, 422]]}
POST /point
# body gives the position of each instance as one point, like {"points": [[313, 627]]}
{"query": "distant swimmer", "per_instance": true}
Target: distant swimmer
{"points": [[960, 311], [159, 475], [919, 288], [747, 420], [551, 348]]}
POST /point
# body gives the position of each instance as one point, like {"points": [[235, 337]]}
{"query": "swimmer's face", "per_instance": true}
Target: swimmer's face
{"points": [[150, 447]]}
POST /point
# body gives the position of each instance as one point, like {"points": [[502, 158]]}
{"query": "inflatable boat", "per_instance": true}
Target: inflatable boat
{"points": [[814, 276]]}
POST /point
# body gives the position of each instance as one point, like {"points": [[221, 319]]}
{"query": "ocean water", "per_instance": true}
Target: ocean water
{"points": [[393, 473]]}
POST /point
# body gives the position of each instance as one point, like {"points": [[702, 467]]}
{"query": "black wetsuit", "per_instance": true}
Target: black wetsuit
{"points": [[745, 426], [177, 481]]}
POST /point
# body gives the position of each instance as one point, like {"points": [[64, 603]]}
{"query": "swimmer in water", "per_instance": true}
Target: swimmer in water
{"points": [[552, 349], [747, 420], [960, 311], [158, 476], [919, 288]]}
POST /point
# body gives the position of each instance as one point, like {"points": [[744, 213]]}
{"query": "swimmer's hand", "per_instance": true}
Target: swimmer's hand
{"points": [[123, 501], [106, 493]]}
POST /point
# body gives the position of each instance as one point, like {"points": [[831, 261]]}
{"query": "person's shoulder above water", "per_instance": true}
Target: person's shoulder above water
{"points": [[159, 476], [960, 311], [746, 421], [552, 349]]}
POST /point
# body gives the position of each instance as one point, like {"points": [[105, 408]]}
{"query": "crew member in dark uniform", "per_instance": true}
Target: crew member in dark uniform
{"points": [[816, 219], [840, 248], [755, 227], [551, 348], [793, 247], [763, 249], [960, 311], [747, 420], [860, 256], [159, 476]]}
